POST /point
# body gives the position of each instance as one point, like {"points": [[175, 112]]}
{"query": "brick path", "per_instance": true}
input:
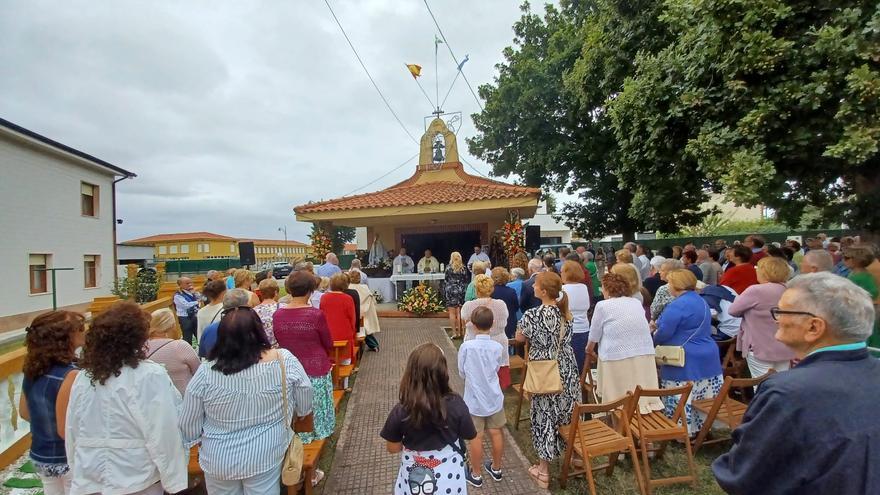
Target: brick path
{"points": [[361, 465]]}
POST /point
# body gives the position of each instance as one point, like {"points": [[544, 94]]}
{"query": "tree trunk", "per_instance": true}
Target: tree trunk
{"points": [[867, 215]]}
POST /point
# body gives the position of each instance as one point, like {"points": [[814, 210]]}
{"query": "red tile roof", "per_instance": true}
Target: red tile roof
{"points": [[183, 236], [409, 193]]}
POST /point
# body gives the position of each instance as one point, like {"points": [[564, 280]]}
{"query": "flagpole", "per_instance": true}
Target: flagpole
{"points": [[437, 73]]}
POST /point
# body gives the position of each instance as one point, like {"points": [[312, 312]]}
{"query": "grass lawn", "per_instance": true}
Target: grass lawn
{"points": [[622, 481]]}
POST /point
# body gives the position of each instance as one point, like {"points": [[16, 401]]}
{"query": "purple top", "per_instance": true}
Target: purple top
{"points": [[758, 332], [304, 332]]}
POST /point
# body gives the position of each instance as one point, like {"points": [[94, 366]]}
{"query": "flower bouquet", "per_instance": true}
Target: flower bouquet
{"points": [[421, 300], [321, 243], [513, 237]]}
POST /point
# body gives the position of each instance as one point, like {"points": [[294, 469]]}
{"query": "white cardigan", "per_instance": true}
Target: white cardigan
{"points": [[122, 437]]}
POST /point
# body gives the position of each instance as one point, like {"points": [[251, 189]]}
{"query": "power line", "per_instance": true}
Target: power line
{"points": [[446, 42], [475, 169], [388, 105], [382, 176]]}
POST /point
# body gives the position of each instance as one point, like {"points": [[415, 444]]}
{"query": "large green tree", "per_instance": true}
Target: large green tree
{"points": [[537, 128], [771, 102]]}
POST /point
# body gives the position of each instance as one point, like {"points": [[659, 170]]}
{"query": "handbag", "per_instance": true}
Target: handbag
{"points": [[542, 375], [292, 464], [673, 355]]}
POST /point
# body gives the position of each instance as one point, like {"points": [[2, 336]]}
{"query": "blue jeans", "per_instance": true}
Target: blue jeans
{"points": [[260, 484], [579, 346]]}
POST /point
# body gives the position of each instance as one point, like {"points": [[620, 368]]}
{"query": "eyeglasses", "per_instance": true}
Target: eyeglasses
{"points": [[775, 312]]}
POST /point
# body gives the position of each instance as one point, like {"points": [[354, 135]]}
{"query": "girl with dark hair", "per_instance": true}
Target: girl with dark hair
{"points": [[428, 427], [302, 330], [548, 330], [233, 406], [121, 429], [49, 371]]}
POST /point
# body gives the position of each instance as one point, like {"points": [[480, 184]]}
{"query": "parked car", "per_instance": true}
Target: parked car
{"points": [[281, 269]]}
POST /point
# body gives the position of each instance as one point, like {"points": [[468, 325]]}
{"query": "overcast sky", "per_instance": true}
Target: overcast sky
{"points": [[232, 113]]}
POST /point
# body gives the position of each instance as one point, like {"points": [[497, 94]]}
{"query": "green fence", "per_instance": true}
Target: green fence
{"points": [[780, 237], [201, 266]]}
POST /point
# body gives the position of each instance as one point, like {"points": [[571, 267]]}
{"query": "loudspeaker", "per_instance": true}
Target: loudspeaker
{"points": [[533, 238], [246, 253]]}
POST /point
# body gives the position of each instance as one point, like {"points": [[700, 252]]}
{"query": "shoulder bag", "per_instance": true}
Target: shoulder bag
{"points": [[292, 464], [542, 375], [673, 355]]}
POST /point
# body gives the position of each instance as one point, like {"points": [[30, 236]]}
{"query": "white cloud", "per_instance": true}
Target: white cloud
{"points": [[232, 113]]}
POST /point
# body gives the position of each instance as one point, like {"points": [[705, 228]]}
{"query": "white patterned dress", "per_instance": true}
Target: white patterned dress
{"points": [[550, 411]]}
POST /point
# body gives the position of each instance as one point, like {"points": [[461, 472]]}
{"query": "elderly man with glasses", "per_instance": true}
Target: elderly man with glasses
{"points": [[814, 428]]}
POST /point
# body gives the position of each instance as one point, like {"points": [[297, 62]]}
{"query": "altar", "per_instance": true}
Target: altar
{"points": [[387, 287]]}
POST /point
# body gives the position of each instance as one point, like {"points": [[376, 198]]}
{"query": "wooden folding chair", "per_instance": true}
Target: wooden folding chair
{"points": [[723, 408], [518, 387], [588, 385], [596, 437], [656, 427], [340, 371]]}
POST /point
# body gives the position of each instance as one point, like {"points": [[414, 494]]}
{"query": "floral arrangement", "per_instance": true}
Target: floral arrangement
{"points": [[321, 243], [512, 235], [378, 297], [420, 300]]}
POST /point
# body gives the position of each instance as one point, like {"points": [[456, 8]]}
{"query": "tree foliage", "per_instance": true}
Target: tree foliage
{"points": [[643, 108], [768, 101]]}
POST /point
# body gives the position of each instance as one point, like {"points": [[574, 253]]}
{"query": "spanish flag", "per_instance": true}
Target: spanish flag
{"points": [[415, 70]]}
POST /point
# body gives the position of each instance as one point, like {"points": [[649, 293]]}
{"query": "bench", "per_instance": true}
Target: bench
{"points": [[340, 371]]}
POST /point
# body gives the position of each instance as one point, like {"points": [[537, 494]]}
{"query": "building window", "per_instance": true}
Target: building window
{"points": [[89, 195], [90, 269], [232, 248], [37, 265], [173, 249], [184, 248], [163, 250], [206, 248]]}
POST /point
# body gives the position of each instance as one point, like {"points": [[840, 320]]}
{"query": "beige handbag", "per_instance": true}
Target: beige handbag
{"points": [[673, 355], [292, 464], [542, 375]]}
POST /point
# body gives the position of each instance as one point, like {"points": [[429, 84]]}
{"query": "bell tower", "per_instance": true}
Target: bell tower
{"points": [[438, 146]]}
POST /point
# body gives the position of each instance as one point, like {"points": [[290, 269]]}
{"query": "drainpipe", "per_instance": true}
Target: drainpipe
{"points": [[113, 192]]}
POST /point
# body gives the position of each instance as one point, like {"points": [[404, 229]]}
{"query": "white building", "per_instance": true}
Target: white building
{"points": [[552, 232], [58, 211]]}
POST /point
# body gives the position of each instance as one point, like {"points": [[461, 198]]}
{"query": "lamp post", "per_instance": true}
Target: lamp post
{"points": [[284, 229]]}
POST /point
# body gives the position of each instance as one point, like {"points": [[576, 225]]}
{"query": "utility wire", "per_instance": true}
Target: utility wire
{"points": [[353, 49], [446, 42], [383, 175], [475, 169]]}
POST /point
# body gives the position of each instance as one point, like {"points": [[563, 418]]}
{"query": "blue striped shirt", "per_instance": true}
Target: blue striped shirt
{"points": [[238, 418]]}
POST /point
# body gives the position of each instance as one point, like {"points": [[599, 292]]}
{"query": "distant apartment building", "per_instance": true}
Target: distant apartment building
{"points": [[207, 245], [58, 208]]}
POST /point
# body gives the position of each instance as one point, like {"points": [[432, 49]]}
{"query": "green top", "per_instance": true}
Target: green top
{"points": [[471, 292], [594, 275], [865, 281]]}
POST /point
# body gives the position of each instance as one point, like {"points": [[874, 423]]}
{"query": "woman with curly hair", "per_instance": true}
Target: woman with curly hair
{"points": [[49, 371], [121, 429]]}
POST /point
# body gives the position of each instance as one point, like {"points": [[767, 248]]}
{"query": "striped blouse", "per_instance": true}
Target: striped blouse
{"points": [[238, 418]]}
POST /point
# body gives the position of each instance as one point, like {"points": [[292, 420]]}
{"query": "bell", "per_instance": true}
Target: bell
{"points": [[438, 153]]}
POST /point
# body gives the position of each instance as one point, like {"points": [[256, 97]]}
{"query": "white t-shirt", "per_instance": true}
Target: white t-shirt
{"points": [[620, 328], [578, 304], [207, 315]]}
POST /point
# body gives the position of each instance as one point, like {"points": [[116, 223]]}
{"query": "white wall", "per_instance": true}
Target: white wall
{"points": [[40, 213]]}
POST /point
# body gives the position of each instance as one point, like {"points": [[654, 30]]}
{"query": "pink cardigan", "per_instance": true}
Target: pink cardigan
{"points": [[758, 328]]}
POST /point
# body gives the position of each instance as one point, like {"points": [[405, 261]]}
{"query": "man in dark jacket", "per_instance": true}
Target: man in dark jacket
{"points": [[814, 428], [527, 299]]}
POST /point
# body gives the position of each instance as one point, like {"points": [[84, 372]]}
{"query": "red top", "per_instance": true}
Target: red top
{"points": [[304, 332], [756, 257], [338, 309], [740, 277]]}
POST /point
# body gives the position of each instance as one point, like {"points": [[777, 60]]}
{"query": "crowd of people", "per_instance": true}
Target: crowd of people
{"points": [[115, 409], [612, 315]]}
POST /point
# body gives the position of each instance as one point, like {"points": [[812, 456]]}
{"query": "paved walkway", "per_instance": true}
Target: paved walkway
{"points": [[361, 465]]}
